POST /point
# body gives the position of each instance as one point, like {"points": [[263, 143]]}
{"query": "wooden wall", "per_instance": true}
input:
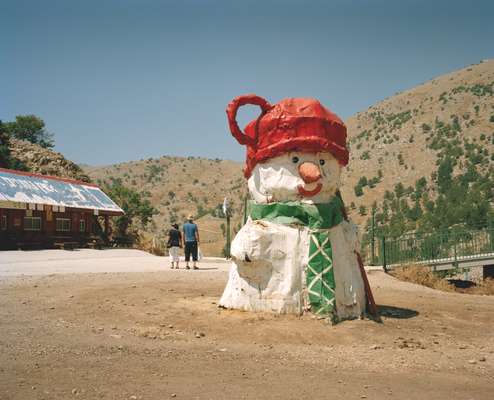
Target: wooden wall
{"points": [[16, 236]]}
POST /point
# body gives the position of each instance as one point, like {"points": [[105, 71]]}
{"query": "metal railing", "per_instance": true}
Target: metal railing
{"points": [[451, 246]]}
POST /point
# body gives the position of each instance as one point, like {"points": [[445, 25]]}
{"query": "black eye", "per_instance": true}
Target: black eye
{"points": [[322, 162], [295, 160]]}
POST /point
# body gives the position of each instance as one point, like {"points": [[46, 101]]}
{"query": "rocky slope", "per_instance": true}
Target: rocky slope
{"points": [[44, 161]]}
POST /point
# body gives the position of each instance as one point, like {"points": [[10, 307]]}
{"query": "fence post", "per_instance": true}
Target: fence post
{"points": [[455, 263], [490, 229], [383, 252]]}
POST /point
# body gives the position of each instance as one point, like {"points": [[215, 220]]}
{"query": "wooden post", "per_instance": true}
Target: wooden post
{"points": [[107, 225], [89, 223]]}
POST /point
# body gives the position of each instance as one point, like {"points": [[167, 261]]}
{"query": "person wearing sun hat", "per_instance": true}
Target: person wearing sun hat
{"points": [[191, 241], [174, 244]]}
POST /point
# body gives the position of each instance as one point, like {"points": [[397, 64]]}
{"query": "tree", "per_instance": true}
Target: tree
{"points": [[444, 172], [30, 128], [6, 160], [399, 190], [137, 208], [4, 148], [420, 185]]}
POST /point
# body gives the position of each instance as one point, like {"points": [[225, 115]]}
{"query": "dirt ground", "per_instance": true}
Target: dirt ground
{"points": [[160, 335]]}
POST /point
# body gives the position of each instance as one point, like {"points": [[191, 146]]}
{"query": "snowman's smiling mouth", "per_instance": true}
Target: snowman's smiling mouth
{"points": [[309, 193]]}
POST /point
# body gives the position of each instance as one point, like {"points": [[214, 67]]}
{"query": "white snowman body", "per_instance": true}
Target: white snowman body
{"points": [[269, 260]]}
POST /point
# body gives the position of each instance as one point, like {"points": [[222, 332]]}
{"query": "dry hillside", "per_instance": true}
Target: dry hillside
{"points": [[399, 139], [177, 186]]}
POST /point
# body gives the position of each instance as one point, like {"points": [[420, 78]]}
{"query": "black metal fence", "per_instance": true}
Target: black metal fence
{"points": [[429, 248]]}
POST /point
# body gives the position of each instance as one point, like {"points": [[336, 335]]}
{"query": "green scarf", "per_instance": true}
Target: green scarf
{"points": [[319, 218]]}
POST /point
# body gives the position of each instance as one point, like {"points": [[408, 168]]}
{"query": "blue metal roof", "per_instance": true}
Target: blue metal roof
{"points": [[20, 187]]}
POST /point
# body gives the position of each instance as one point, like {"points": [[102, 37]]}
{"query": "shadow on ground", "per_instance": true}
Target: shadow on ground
{"points": [[461, 284], [396, 312]]}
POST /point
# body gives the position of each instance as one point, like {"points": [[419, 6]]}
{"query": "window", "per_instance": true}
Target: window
{"points": [[3, 223], [62, 224], [82, 225], [32, 223]]}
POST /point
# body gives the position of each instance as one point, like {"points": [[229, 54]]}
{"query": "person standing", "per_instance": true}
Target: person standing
{"points": [[191, 241], [174, 243]]}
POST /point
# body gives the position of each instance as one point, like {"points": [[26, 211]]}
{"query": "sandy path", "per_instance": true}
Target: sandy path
{"points": [[47, 262], [152, 335]]}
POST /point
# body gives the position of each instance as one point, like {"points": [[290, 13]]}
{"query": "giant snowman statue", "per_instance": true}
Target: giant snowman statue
{"points": [[297, 252]]}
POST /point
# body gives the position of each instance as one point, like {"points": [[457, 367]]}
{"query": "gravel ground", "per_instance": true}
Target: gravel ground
{"points": [[158, 334]]}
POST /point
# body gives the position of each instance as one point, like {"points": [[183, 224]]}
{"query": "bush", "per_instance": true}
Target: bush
{"points": [[362, 181], [373, 182], [426, 128], [422, 275]]}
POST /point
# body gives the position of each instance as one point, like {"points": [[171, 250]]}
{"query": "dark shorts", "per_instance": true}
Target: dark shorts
{"points": [[190, 248]]}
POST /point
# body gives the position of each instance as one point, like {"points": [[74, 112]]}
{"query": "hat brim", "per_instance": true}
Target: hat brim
{"points": [[305, 144]]}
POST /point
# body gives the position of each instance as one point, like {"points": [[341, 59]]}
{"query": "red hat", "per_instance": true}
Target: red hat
{"points": [[295, 124]]}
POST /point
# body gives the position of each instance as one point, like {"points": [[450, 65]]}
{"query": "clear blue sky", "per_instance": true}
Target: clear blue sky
{"points": [[129, 79]]}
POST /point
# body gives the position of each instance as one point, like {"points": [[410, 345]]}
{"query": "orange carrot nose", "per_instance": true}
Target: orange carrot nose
{"points": [[309, 172]]}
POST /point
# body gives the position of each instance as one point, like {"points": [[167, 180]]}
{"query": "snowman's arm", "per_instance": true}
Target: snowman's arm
{"points": [[249, 242], [238, 250], [241, 244]]}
